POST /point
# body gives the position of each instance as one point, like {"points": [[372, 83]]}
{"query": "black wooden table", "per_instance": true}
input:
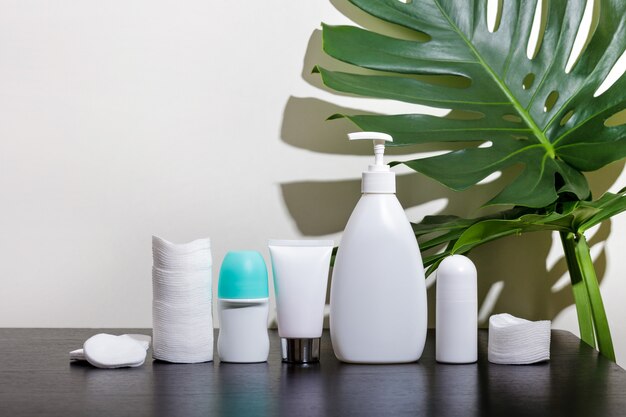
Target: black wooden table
{"points": [[36, 378]]}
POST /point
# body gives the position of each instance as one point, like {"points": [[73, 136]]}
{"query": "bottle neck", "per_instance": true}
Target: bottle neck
{"points": [[383, 182]]}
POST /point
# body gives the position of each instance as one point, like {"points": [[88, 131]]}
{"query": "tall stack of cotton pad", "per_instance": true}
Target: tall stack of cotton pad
{"points": [[182, 316], [517, 341]]}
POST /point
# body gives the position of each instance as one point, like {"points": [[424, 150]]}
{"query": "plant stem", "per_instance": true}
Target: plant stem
{"points": [[583, 308], [589, 306], [600, 322]]}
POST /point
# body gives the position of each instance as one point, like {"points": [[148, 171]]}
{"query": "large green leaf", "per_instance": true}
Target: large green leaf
{"points": [[554, 142]]}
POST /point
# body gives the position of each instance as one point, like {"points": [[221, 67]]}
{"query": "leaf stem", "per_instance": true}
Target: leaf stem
{"points": [[600, 322], [589, 305], [581, 299]]}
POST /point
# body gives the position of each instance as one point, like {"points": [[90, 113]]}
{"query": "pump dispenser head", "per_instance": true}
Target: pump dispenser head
{"points": [[378, 179]]}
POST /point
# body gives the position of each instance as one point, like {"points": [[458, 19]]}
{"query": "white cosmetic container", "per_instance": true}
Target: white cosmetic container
{"points": [[378, 308], [300, 269], [456, 311], [243, 308]]}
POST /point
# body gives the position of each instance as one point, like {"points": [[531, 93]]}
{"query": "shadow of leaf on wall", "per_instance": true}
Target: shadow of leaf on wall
{"points": [[305, 126]]}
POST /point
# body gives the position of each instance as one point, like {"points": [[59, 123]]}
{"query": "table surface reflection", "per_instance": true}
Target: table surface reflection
{"points": [[36, 378]]}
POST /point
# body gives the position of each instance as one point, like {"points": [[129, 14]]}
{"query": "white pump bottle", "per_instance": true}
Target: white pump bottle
{"points": [[378, 311]]}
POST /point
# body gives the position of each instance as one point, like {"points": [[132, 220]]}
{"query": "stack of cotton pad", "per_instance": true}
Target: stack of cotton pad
{"points": [[182, 316], [517, 341]]}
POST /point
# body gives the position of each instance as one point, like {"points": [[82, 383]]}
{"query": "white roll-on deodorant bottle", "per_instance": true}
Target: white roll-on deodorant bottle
{"points": [[457, 311], [243, 308]]}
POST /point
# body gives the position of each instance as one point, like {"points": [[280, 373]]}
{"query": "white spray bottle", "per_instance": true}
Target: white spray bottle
{"points": [[378, 308]]}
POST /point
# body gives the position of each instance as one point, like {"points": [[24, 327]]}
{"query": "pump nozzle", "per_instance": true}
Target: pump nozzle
{"points": [[379, 145], [378, 179]]}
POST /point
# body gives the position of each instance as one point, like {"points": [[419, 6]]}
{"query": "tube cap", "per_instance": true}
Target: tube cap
{"points": [[300, 350]]}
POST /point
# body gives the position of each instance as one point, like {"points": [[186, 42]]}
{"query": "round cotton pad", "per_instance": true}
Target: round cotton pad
{"points": [[108, 351]]}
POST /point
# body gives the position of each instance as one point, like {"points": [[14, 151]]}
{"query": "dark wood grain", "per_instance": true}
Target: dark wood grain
{"points": [[36, 378]]}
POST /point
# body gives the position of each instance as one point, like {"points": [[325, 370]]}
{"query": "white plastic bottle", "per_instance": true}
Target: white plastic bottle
{"points": [[378, 308], [243, 308], [456, 337]]}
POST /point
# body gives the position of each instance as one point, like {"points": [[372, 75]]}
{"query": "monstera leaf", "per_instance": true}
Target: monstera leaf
{"points": [[531, 111], [525, 112]]}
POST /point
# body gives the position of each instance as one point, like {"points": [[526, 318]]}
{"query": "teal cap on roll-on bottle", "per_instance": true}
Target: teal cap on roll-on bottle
{"points": [[243, 275]]}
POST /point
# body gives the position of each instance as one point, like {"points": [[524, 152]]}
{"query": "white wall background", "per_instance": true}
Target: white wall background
{"points": [[123, 119]]}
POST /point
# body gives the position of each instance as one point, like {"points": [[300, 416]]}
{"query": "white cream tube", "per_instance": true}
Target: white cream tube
{"points": [[300, 269]]}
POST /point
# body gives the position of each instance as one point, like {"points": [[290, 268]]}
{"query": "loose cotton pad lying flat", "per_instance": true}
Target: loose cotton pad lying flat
{"points": [[144, 340], [108, 351]]}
